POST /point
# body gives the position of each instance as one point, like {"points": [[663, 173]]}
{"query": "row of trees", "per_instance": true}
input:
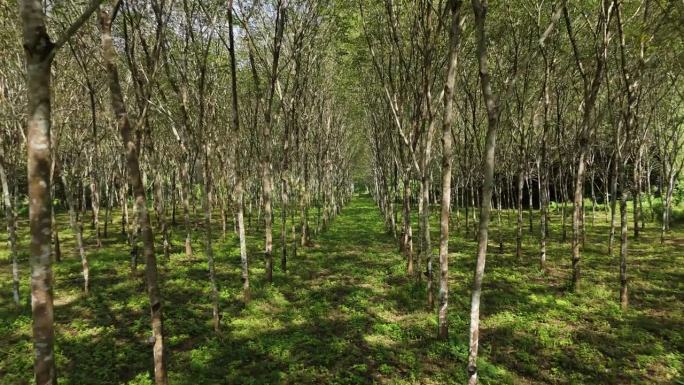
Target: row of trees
{"points": [[583, 99], [269, 109], [169, 105]]}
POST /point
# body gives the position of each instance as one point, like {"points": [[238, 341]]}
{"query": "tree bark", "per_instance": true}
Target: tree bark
{"points": [[131, 146], [76, 223], [239, 189], [208, 197], [11, 219], [39, 53], [447, 154], [480, 9], [591, 89]]}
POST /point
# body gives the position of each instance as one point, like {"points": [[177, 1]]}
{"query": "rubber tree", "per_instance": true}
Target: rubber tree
{"points": [[40, 51]]}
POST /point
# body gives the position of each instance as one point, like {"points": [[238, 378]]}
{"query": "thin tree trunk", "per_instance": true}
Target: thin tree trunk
{"points": [[564, 195], [623, 242], [11, 219], [283, 223], [173, 198], [57, 251], [303, 206], [135, 179], [95, 200], [408, 231], [76, 223], [499, 226], [447, 153], [161, 213], [530, 198], [636, 193], [519, 231], [591, 90], [239, 189], [186, 190], [208, 197], [108, 210], [613, 197], [480, 9]]}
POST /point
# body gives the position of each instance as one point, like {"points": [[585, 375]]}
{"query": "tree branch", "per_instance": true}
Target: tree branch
{"points": [[75, 26]]}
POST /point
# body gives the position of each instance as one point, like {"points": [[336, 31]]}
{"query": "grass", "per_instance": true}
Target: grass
{"points": [[345, 313]]}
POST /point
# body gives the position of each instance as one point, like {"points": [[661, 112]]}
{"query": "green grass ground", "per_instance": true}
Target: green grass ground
{"points": [[345, 313]]}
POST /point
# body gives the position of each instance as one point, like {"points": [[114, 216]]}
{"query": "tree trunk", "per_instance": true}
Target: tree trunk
{"points": [[161, 213], [480, 9], [283, 223], [239, 189], [576, 218], [623, 241], [530, 198], [636, 193], [108, 210], [11, 219], [591, 89], [186, 190], [408, 231], [447, 153], [39, 53], [57, 251], [426, 249], [95, 199], [208, 197], [613, 198], [131, 146], [76, 224], [519, 231]]}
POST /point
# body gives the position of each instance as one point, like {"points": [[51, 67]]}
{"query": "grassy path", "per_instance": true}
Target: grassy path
{"points": [[339, 316], [345, 313]]}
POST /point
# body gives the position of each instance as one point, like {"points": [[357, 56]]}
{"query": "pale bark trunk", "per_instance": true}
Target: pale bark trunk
{"points": [[208, 197], [447, 153], [577, 219], [268, 214], [480, 9], [530, 199], [57, 251], [426, 248], [636, 192], [135, 180], [591, 89], [76, 224], [267, 178], [542, 167], [239, 189], [243, 243], [283, 223], [519, 231], [543, 204], [624, 301], [564, 195], [39, 52], [498, 220], [408, 231], [304, 208], [186, 190], [613, 198], [95, 199], [109, 192], [161, 213], [11, 219]]}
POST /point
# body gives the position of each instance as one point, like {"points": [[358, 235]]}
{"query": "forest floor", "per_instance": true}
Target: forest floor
{"points": [[346, 313]]}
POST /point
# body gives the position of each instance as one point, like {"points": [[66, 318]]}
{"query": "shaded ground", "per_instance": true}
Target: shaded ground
{"points": [[345, 313]]}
